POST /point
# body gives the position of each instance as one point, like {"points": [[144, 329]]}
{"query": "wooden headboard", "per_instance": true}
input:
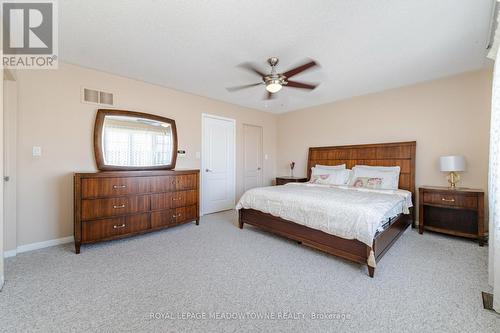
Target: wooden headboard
{"points": [[382, 154]]}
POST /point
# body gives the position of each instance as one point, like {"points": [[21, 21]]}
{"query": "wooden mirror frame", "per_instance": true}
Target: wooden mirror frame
{"points": [[98, 152]]}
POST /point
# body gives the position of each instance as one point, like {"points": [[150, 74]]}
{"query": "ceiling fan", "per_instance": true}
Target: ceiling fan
{"points": [[274, 81]]}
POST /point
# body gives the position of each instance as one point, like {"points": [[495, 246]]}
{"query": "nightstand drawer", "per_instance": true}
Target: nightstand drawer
{"points": [[286, 180], [451, 200]]}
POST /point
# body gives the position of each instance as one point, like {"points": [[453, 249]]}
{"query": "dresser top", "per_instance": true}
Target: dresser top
{"points": [[142, 173], [445, 188]]}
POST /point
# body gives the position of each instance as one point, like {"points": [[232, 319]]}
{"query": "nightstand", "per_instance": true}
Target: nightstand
{"points": [[458, 212], [286, 179]]}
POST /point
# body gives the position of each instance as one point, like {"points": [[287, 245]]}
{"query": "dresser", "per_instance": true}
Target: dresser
{"points": [[117, 204], [457, 212]]}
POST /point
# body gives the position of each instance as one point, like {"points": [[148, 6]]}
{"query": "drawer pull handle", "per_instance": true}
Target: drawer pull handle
{"points": [[447, 200], [175, 199], [177, 215], [120, 206], [119, 226], [119, 186]]}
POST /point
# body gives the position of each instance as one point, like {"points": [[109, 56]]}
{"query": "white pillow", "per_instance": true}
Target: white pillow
{"points": [[330, 176], [340, 166], [389, 175]]}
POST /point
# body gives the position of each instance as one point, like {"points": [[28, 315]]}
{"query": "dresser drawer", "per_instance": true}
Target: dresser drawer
{"points": [[188, 213], [111, 187], [106, 228], [186, 182], [451, 200], [97, 208], [162, 184], [173, 216], [174, 199], [184, 198], [162, 218]]}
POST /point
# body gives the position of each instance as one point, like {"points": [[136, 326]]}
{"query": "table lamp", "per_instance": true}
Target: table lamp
{"points": [[452, 164]]}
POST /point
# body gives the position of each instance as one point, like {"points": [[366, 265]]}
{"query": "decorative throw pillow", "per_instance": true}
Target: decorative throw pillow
{"points": [[321, 179], [367, 182], [330, 177]]}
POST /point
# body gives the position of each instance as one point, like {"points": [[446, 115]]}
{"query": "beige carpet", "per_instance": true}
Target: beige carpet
{"points": [[217, 278]]}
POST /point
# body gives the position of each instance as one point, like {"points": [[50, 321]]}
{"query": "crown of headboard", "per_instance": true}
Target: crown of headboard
{"points": [[400, 154]]}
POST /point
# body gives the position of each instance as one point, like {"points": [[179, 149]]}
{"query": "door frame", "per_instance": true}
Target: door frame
{"points": [[10, 119], [204, 116], [261, 154]]}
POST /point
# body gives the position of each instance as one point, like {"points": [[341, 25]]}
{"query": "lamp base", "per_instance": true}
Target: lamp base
{"points": [[453, 179]]}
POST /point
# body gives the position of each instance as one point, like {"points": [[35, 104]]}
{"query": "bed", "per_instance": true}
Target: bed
{"points": [[365, 251]]}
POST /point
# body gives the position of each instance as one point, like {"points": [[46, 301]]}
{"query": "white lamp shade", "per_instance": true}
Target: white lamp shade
{"points": [[452, 163]]}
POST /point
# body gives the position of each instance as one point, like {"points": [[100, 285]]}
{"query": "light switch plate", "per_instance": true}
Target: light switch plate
{"points": [[37, 151], [266, 157]]}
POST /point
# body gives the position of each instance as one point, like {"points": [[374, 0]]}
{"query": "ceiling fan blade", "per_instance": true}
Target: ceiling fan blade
{"points": [[294, 84], [300, 68], [251, 67], [236, 88]]}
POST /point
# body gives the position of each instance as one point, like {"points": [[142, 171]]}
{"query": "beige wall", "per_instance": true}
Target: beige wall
{"points": [[51, 116], [447, 116]]}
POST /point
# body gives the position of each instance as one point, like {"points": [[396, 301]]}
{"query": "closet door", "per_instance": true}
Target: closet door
{"points": [[252, 146]]}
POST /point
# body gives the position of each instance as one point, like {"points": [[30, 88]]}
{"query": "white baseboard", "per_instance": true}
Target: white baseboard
{"points": [[37, 246]]}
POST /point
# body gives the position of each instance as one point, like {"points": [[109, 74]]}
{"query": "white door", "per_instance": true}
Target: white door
{"points": [[252, 145], [218, 164]]}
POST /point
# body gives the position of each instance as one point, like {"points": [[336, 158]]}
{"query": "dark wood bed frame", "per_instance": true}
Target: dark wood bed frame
{"points": [[386, 154]]}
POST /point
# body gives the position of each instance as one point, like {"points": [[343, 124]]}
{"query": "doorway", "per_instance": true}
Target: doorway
{"points": [[218, 164], [252, 151]]}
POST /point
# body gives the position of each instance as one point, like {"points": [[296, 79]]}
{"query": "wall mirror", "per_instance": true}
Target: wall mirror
{"points": [[127, 140]]}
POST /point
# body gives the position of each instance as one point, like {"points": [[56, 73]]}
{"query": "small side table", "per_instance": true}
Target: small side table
{"points": [[458, 212], [287, 179]]}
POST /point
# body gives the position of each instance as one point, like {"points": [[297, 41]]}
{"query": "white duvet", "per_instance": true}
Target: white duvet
{"points": [[343, 211]]}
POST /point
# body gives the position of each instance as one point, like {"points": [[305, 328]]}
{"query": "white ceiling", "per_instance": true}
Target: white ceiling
{"points": [[363, 46]]}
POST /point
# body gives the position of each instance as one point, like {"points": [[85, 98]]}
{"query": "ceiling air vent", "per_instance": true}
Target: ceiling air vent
{"points": [[93, 96]]}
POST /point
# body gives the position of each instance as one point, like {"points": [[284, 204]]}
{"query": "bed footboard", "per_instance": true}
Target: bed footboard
{"points": [[349, 249]]}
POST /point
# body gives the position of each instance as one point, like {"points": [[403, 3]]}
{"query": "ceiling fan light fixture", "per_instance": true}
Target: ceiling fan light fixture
{"points": [[274, 86]]}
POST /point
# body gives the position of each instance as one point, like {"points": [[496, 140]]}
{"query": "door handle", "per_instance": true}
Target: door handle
{"points": [[6, 178], [258, 169], [208, 170]]}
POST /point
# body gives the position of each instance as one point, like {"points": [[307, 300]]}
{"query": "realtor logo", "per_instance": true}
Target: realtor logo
{"points": [[29, 34]]}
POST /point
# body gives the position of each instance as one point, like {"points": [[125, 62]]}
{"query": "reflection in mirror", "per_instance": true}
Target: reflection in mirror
{"points": [[129, 141]]}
